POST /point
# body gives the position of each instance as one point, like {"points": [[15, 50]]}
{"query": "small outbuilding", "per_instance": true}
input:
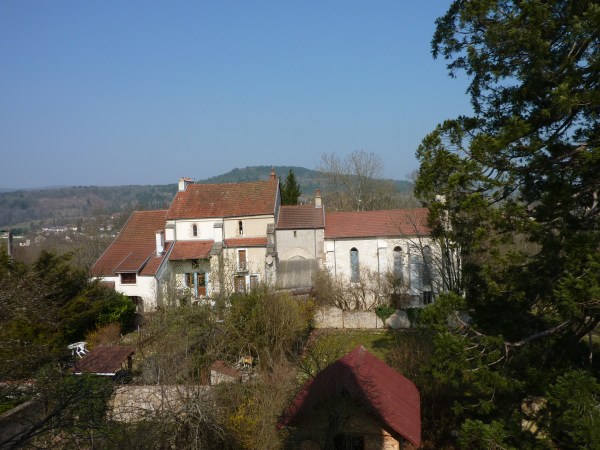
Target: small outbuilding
{"points": [[356, 403], [105, 360]]}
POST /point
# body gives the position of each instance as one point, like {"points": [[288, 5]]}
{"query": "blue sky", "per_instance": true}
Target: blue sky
{"points": [[137, 92]]}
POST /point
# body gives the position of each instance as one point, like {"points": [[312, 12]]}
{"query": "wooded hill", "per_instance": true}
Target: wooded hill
{"points": [[58, 206]]}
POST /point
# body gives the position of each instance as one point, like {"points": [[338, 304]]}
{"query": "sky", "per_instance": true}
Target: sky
{"points": [[137, 92]]}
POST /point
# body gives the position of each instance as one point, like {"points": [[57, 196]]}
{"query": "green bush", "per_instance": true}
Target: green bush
{"points": [[384, 311], [414, 315]]}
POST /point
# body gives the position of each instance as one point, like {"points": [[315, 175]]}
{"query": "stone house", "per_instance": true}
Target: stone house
{"points": [[358, 402], [213, 237], [225, 238]]}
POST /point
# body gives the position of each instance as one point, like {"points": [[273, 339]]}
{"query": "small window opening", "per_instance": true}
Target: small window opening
{"points": [[240, 228], [427, 297], [194, 230]]}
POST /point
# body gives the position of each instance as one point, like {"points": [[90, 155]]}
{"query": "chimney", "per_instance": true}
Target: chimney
{"points": [[160, 242], [318, 200], [273, 174], [9, 244], [183, 183]]}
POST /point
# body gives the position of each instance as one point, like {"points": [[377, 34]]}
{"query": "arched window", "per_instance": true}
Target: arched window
{"points": [[416, 270], [354, 265], [398, 266], [427, 267], [194, 230], [240, 228]]}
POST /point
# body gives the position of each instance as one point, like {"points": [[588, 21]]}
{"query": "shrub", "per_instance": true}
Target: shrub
{"points": [[109, 334], [384, 311]]}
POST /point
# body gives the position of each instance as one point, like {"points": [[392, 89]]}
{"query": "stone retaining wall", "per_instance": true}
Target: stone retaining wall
{"points": [[331, 317], [134, 403], [19, 420]]}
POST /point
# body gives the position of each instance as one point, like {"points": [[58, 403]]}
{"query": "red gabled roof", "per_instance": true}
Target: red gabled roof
{"points": [[387, 394], [383, 223], [224, 200], [298, 217], [104, 359], [246, 242], [191, 250], [134, 249]]}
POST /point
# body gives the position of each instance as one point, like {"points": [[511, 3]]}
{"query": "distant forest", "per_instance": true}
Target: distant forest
{"points": [[59, 206]]}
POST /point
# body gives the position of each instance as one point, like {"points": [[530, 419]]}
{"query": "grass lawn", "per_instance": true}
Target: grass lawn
{"points": [[378, 342]]}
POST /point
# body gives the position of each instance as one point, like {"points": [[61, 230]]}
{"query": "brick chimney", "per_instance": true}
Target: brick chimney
{"points": [[318, 199], [273, 174]]}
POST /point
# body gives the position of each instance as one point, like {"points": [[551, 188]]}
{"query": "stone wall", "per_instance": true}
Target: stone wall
{"points": [[135, 403], [331, 317], [19, 420]]}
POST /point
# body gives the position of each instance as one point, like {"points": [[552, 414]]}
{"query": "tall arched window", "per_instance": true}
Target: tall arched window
{"points": [[354, 265], [398, 266], [427, 268], [194, 230], [240, 228], [416, 270]]}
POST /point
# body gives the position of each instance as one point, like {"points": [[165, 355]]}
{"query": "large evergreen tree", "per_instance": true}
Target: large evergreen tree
{"points": [[290, 190], [517, 187]]}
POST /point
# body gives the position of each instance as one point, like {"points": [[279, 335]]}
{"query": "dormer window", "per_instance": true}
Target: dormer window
{"points": [[128, 278], [240, 228], [194, 230]]}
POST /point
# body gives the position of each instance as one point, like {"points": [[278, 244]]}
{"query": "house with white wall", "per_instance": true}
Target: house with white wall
{"points": [[213, 238], [226, 238], [299, 236], [136, 262], [394, 243]]}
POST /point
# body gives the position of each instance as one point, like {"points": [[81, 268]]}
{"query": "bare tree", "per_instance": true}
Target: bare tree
{"points": [[356, 183]]}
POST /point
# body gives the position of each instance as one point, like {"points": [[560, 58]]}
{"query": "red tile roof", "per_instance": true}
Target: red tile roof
{"points": [[386, 223], [133, 262], [298, 217], [155, 260], [104, 359], [190, 250], [246, 242], [386, 393], [221, 367], [224, 200], [134, 246]]}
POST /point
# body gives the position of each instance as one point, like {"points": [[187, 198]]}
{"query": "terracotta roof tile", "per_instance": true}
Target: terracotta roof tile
{"points": [[155, 261], [191, 250], [387, 394], [298, 217], [135, 244], [386, 223], [133, 262], [246, 242], [224, 200], [104, 359]]}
